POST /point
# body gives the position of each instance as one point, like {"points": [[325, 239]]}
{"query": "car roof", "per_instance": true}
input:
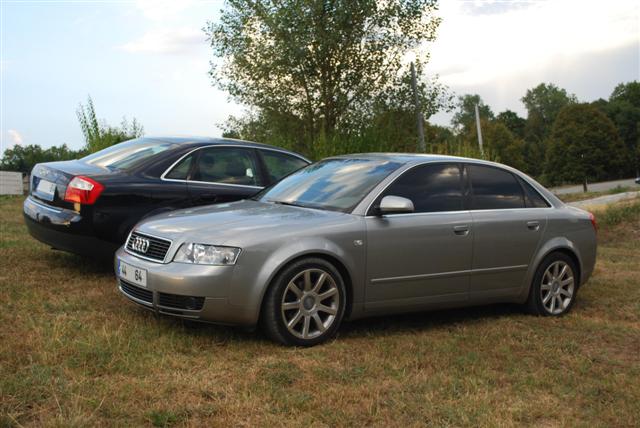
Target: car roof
{"points": [[197, 141], [410, 158]]}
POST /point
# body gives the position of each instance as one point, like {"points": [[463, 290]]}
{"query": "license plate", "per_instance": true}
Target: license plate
{"points": [[132, 274], [47, 189]]}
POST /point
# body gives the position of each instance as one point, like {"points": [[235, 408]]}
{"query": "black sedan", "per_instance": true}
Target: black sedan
{"points": [[88, 206]]}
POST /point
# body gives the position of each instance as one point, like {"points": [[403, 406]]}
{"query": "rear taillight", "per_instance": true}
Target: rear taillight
{"points": [[593, 221], [83, 190]]}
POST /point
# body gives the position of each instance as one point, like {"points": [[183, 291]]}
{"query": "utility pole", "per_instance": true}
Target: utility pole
{"points": [[421, 146], [584, 181], [479, 130]]}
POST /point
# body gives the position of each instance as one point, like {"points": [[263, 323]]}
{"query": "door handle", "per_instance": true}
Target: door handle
{"points": [[461, 230], [533, 225]]}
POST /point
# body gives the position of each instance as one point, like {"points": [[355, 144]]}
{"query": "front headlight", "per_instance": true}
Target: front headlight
{"points": [[206, 254]]}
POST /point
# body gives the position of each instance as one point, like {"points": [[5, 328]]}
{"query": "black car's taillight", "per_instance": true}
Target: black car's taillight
{"points": [[83, 190]]}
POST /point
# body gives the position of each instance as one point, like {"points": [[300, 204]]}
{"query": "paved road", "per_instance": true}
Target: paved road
{"points": [[605, 200], [596, 187]]}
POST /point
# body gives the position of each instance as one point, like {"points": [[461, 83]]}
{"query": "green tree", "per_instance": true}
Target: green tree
{"points": [[465, 115], [98, 134], [499, 144], [624, 110], [584, 145], [23, 158], [513, 122], [543, 103], [323, 63]]}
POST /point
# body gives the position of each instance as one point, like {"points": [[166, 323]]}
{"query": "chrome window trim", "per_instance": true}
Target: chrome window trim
{"points": [[417, 214], [163, 261], [162, 177], [463, 163], [456, 212]]}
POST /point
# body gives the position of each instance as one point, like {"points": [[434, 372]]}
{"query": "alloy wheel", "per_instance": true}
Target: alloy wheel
{"points": [[557, 287], [310, 303]]}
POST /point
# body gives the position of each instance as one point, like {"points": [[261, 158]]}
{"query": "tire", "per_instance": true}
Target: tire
{"points": [[554, 287], [305, 303]]}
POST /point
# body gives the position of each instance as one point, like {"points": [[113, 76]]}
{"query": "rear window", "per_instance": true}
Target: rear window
{"points": [[127, 154], [494, 188]]}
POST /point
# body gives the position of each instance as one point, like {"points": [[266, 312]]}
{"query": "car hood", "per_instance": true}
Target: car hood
{"points": [[239, 223]]}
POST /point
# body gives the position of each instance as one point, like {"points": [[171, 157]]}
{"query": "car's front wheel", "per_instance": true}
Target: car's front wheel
{"points": [[305, 304], [554, 287]]}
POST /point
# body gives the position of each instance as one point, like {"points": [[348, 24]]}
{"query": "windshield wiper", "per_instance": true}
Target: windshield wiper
{"points": [[290, 204]]}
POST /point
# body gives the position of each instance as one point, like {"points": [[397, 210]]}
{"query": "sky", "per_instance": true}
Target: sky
{"points": [[149, 59]]}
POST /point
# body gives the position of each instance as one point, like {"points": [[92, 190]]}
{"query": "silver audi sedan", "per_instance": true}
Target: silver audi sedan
{"points": [[363, 235]]}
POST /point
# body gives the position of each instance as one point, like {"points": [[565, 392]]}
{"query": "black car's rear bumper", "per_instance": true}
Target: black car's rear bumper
{"points": [[64, 229]]}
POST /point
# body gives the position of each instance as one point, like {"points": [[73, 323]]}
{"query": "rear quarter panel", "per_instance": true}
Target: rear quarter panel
{"points": [[568, 228]]}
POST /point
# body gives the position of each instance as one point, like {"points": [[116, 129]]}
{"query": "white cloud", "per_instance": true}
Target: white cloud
{"points": [[167, 41], [485, 41], [162, 10], [15, 137]]}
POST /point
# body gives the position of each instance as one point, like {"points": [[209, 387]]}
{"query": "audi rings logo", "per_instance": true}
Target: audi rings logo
{"points": [[139, 244]]}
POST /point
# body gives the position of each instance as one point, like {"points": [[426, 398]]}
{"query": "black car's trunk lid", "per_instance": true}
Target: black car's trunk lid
{"points": [[49, 180]]}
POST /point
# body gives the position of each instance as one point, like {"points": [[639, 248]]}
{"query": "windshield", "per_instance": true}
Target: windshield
{"points": [[332, 184], [127, 154]]}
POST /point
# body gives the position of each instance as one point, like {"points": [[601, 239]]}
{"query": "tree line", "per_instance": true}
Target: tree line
{"points": [[326, 77], [561, 140]]}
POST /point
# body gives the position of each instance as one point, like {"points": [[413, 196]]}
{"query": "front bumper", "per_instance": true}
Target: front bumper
{"points": [[196, 292], [64, 229]]}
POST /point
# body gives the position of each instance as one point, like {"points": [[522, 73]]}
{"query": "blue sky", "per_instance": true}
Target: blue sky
{"points": [[149, 59]]}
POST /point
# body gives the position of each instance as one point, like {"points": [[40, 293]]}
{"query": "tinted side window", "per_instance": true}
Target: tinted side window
{"points": [[280, 164], [180, 171], [228, 165], [532, 197], [431, 188], [493, 188]]}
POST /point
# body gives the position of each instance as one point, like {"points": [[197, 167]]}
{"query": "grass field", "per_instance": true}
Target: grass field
{"points": [[75, 353]]}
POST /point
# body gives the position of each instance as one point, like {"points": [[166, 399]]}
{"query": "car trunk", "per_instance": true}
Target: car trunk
{"points": [[60, 174]]}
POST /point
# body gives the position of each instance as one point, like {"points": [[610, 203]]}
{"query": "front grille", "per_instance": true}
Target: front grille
{"points": [[156, 250], [180, 302], [137, 292]]}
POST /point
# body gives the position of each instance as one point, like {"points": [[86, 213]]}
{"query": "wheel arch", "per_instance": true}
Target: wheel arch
{"points": [[347, 277], [572, 255], [561, 245]]}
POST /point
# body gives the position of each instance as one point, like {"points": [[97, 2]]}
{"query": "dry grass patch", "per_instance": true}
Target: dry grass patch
{"points": [[75, 353]]}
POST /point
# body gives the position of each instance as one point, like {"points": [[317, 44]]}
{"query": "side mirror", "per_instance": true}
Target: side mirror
{"points": [[395, 205]]}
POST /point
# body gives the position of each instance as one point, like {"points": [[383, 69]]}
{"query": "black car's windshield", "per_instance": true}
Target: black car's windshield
{"points": [[128, 154], [334, 184]]}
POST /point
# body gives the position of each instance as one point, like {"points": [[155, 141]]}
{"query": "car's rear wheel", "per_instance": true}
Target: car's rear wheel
{"points": [[554, 287], [305, 304]]}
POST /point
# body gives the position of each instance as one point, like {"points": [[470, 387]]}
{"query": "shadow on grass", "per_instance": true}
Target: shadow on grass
{"points": [[221, 334], [425, 320], [78, 263], [370, 327]]}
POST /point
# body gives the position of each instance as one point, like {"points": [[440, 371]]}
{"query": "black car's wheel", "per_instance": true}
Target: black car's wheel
{"points": [[554, 286], [305, 304]]}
